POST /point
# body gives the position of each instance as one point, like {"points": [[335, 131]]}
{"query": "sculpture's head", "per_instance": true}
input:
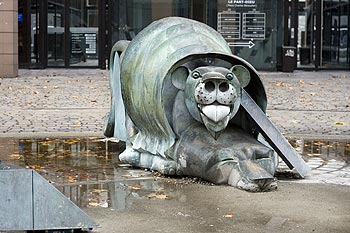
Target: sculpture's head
{"points": [[212, 94]]}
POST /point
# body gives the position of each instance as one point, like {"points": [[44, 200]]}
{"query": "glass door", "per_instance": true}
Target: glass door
{"points": [[30, 38], [335, 49], [83, 30], [306, 34], [323, 39], [55, 33], [72, 33]]}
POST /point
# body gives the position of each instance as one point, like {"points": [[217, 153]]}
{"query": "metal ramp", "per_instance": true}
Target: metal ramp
{"points": [[274, 137], [29, 202]]}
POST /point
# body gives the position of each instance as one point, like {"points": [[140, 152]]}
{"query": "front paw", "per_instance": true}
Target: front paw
{"points": [[164, 166], [251, 177], [130, 156]]}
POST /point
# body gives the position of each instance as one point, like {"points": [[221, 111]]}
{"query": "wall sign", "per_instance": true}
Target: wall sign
{"points": [[91, 39], [84, 43], [241, 23]]}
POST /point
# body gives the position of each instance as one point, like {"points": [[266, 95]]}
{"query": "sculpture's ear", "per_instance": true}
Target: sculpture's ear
{"points": [[242, 74], [179, 77]]}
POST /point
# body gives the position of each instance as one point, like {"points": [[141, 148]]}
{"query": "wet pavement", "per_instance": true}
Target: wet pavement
{"points": [[90, 164], [88, 172], [51, 121]]}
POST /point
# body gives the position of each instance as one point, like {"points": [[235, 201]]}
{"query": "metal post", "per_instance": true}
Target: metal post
{"points": [[318, 44]]}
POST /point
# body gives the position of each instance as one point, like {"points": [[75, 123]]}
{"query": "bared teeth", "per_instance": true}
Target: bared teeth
{"points": [[216, 112]]}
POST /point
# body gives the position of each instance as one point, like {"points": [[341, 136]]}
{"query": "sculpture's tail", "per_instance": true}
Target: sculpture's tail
{"points": [[117, 110]]}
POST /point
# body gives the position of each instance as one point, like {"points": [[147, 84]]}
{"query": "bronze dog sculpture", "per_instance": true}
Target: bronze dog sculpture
{"points": [[176, 91]]}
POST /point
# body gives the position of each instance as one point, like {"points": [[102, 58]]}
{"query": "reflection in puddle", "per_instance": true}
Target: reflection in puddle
{"points": [[88, 172], [327, 150]]}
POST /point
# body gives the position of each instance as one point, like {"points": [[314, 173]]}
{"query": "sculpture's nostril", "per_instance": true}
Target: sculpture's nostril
{"points": [[223, 87], [209, 86]]}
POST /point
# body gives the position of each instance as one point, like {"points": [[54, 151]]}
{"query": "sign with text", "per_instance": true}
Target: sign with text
{"points": [[84, 44], [253, 26], [241, 23]]}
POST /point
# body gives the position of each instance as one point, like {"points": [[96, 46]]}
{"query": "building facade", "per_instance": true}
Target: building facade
{"points": [[8, 38], [270, 34]]}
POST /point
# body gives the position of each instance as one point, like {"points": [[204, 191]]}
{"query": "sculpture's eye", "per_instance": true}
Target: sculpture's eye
{"points": [[229, 76], [196, 75]]}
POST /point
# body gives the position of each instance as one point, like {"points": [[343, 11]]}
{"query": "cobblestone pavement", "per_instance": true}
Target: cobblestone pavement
{"points": [[54, 102], [309, 103], [76, 100], [73, 102]]}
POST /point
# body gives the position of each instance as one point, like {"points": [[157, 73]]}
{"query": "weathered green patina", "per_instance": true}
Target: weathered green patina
{"points": [[150, 56], [176, 100]]}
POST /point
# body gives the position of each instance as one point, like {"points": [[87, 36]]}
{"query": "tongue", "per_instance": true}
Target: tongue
{"points": [[216, 112]]}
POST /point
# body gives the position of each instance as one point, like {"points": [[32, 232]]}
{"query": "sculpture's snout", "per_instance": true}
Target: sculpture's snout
{"points": [[215, 97], [215, 94], [213, 90]]}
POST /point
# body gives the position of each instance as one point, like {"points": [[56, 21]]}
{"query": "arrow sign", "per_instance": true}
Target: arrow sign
{"points": [[249, 44]]}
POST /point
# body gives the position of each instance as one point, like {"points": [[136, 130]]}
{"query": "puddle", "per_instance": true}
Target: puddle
{"points": [[325, 149], [88, 172]]}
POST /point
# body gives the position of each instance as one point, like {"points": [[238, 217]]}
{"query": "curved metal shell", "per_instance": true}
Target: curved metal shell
{"points": [[148, 60]]}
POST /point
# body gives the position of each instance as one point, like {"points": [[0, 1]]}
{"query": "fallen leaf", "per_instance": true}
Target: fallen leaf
{"points": [[71, 179], [181, 214], [36, 167], [314, 154], [77, 123], [339, 123], [44, 143], [318, 143], [59, 170], [136, 187], [229, 215], [94, 204], [100, 190], [72, 141], [158, 196], [15, 156], [282, 84]]}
